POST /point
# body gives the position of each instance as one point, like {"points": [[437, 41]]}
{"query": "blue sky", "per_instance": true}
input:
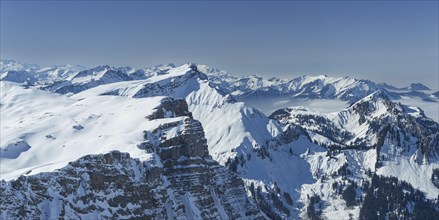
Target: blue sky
{"points": [[390, 41]]}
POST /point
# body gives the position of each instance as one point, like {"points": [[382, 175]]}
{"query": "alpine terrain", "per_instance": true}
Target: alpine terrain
{"points": [[194, 142]]}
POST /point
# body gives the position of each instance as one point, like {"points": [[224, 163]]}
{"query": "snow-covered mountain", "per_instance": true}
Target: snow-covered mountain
{"points": [[417, 87], [177, 142], [365, 124], [324, 93], [67, 156]]}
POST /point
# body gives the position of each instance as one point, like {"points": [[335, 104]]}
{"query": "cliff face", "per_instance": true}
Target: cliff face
{"points": [[183, 182], [112, 184]]}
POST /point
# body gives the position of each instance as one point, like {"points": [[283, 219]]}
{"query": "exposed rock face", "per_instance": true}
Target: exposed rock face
{"points": [[109, 185], [190, 142], [183, 183], [114, 185], [171, 108], [194, 176], [176, 86]]}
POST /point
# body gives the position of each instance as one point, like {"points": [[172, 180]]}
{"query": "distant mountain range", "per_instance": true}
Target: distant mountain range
{"points": [[193, 142], [267, 95]]}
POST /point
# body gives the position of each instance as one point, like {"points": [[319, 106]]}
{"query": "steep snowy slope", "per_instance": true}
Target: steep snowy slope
{"points": [[240, 127]]}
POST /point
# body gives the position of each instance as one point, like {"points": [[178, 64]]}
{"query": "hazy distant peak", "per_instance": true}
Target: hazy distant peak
{"points": [[8, 65], [417, 87]]}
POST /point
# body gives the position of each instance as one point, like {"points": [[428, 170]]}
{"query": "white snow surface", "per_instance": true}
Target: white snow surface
{"points": [[59, 129], [229, 126], [407, 169]]}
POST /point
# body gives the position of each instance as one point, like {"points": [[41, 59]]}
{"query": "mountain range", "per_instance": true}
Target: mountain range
{"points": [[194, 142]]}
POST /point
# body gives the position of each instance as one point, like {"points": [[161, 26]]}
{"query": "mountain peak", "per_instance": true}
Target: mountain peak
{"points": [[377, 96], [417, 87]]}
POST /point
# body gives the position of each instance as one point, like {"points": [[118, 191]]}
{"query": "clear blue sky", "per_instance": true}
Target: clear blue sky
{"points": [[393, 41]]}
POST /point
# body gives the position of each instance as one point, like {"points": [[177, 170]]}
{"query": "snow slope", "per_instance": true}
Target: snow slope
{"points": [[59, 129]]}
